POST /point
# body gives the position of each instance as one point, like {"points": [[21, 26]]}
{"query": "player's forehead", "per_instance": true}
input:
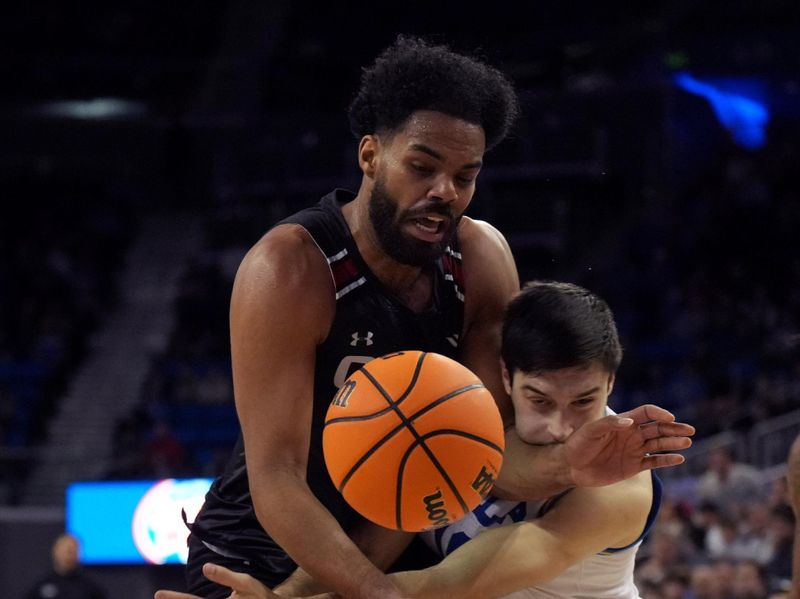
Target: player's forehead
{"points": [[433, 132], [567, 382]]}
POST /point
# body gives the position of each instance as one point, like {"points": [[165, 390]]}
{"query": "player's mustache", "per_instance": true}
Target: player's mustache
{"points": [[439, 209]]}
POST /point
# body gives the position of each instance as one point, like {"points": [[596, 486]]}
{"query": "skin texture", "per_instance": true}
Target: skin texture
{"points": [[282, 308], [427, 168], [508, 558]]}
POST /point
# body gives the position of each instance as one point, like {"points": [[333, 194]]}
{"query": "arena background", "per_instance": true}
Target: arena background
{"points": [[144, 146]]}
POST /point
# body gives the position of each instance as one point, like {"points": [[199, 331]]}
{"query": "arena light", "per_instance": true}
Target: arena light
{"points": [[94, 109], [745, 117]]}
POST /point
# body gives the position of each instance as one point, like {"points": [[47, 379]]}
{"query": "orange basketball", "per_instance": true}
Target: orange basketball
{"points": [[413, 441]]}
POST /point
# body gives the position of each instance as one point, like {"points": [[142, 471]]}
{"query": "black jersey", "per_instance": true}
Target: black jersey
{"points": [[368, 322]]}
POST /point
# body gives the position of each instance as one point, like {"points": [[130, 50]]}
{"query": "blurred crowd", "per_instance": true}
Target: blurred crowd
{"points": [[700, 287], [59, 259], [730, 539]]}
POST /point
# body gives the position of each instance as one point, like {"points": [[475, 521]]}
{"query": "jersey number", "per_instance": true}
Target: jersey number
{"points": [[348, 366]]}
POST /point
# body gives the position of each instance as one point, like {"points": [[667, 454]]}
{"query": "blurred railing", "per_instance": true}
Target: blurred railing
{"points": [[765, 446]]}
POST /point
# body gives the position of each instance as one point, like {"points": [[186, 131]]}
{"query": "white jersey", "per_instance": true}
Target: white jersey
{"points": [[606, 575]]}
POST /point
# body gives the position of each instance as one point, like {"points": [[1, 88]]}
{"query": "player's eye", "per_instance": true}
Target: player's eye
{"points": [[421, 168], [584, 401]]}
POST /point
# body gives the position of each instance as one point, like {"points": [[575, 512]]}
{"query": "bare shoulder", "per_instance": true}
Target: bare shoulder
{"points": [[489, 268], [287, 251], [285, 271], [478, 236]]}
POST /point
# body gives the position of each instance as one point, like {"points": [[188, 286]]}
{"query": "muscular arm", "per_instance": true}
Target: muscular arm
{"points": [[512, 557], [281, 309], [380, 545], [490, 281], [601, 452]]}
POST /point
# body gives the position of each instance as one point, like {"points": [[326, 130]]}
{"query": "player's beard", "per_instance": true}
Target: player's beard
{"points": [[387, 221]]}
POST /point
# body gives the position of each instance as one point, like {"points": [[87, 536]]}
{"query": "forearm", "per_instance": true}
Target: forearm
{"points": [[497, 562], [302, 526], [381, 546], [299, 584], [532, 471]]}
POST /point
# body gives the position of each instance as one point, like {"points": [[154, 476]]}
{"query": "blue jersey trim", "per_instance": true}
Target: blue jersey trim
{"points": [[651, 516], [658, 488]]}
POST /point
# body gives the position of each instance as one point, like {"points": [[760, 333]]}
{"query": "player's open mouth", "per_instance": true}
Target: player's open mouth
{"points": [[430, 224], [429, 228]]}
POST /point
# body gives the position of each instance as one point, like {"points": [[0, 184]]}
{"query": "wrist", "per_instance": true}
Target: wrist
{"points": [[564, 475], [374, 584]]}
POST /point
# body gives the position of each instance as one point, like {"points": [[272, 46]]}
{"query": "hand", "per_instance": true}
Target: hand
{"points": [[243, 586], [616, 447]]}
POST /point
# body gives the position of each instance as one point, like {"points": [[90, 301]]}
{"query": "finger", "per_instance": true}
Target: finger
{"points": [[667, 444], [662, 460], [648, 413], [244, 583], [604, 426], [651, 430], [162, 594]]}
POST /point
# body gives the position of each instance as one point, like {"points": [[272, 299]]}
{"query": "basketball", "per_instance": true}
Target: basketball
{"points": [[413, 441]]}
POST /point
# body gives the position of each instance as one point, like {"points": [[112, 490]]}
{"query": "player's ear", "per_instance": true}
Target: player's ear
{"points": [[506, 376], [368, 150], [611, 379]]}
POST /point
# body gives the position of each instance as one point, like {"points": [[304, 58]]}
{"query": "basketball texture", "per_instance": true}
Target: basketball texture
{"points": [[413, 440]]}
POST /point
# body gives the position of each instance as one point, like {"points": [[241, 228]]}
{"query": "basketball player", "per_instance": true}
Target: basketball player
{"points": [[560, 355], [392, 267]]}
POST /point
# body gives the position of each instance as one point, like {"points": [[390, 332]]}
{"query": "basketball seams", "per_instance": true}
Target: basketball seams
{"points": [[406, 423], [367, 454], [478, 440], [392, 403], [459, 433], [392, 407], [420, 442], [444, 398], [413, 416]]}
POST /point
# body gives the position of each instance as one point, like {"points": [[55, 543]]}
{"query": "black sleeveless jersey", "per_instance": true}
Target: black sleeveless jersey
{"points": [[369, 322]]}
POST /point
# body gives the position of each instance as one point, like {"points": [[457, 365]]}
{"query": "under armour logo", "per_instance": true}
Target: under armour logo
{"points": [[356, 338]]}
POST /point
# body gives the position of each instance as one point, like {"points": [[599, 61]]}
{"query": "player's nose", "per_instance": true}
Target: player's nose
{"points": [[559, 427], [443, 190]]}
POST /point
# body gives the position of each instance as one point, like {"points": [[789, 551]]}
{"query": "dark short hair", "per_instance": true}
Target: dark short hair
{"points": [[552, 325], [412, 75]]}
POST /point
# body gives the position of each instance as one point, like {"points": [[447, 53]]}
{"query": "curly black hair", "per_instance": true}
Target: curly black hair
{"points": [[412, 75]]}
